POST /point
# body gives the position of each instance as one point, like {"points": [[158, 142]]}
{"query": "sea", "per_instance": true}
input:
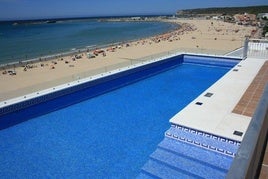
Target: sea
{"points": [[31, 39]]}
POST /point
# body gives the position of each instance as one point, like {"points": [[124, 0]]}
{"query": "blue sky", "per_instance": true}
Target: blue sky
{"points": [[34, 9]]}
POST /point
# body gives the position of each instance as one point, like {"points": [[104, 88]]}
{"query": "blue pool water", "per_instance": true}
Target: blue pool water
{"points": [[108, 136]]}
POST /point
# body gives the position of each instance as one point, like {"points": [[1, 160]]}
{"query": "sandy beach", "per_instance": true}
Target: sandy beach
{"points": [[201, 36]]}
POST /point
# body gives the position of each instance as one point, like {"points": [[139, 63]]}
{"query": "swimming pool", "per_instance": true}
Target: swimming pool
{"points": [[104, 128]]}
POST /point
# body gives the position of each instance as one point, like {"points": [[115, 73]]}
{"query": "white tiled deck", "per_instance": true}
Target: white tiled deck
{"points": [[215, 115]]}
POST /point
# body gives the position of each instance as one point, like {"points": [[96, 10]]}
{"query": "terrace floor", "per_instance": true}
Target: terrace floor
{"points": [[248, 104]]}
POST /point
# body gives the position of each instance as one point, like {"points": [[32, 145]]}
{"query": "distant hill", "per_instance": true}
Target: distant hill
{"points": [[225, 10]]}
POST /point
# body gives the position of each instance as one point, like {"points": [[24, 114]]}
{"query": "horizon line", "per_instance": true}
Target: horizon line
{"points": [[84, 17]]}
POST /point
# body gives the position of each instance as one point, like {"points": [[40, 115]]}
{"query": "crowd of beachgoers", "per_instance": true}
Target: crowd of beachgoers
{"points": [[169, 36]]}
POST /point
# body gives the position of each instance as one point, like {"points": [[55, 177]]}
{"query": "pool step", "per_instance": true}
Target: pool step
{"points": [[146, 175], [187, 165], [188, 153], [175, 159], [195, 153], [203, 140], [156, 169]]}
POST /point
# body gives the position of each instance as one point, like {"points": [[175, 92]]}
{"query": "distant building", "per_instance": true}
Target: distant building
{"points": [[216, 17], [135, 18], [228, 18], [245, 18], [262, 16]]}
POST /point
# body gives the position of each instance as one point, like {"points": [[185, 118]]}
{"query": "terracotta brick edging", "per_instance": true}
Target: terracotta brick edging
{"points": [[249, 101]]}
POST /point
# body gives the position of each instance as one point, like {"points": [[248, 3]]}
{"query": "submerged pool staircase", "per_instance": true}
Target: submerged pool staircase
{"points": [[187, 153]]}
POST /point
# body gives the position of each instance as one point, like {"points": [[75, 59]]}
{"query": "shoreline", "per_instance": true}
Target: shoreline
{"points": [[193, 36], [76, 50]]}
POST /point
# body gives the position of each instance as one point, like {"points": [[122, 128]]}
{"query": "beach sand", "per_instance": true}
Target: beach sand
{"points": [[200, 36]]}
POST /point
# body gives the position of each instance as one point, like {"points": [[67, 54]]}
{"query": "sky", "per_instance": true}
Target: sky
{"points": [[36, 9]]}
